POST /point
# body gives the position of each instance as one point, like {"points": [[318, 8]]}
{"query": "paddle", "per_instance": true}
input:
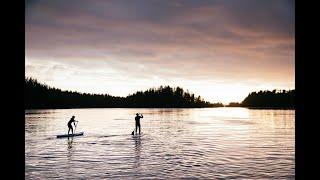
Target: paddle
{"points": [[75, 127]]}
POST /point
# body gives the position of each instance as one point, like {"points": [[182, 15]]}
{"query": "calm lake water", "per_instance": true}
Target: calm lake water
{"points": [[205, 143]]}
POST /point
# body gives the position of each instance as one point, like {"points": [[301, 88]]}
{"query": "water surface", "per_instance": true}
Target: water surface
{"points": [[204, 143]]}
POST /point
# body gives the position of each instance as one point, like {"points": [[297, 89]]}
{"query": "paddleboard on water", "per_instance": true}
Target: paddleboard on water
{"points": [[137, 135], [70, 135]]}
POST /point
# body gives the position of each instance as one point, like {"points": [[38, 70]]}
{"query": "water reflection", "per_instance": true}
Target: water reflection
{"points": [[205, 143], [70, 141], [70, 150], [137, 149]]}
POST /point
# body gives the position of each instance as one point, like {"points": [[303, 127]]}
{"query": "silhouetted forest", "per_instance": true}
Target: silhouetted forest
{"points": [[234, 104], [41, 96], [270, 99]]}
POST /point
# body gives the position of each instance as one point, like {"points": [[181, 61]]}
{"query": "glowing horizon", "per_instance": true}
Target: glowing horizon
{"points": [[220, 50]]}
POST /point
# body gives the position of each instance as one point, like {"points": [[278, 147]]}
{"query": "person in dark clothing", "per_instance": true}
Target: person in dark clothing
{"points": [[72, 120], [137, 118]]}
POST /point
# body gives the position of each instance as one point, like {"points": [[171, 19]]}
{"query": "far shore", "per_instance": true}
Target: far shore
{"points": [[269, 108]]}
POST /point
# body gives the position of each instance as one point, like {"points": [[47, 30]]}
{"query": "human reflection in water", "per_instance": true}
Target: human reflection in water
{"points": [[137, 151], [70, 141], [70, 150]]}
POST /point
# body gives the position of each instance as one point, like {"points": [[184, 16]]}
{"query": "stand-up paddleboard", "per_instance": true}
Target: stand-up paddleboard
{"points": [[137, 135], [70, 135]]}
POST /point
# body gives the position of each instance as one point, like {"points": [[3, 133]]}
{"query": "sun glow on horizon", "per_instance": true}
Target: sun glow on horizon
{"points": [[213, 92], [219, 50]]}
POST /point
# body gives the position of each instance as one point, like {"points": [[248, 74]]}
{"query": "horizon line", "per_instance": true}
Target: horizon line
{"points": [[186, 90]]}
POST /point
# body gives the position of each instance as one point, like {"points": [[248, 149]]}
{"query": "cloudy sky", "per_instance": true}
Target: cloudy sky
{"points": [[219, 49]]}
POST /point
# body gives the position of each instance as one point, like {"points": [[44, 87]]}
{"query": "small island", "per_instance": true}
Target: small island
{"points": [[276, 99]]}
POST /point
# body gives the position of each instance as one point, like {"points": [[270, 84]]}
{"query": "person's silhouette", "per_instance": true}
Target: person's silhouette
{"points": [[72, 120], [137, 118]]}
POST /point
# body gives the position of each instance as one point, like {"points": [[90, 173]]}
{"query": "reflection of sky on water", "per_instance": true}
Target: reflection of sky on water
{"points": [[204, 143]]}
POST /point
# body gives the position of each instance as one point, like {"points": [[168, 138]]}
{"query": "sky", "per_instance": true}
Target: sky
{"points": [[219, 49]]}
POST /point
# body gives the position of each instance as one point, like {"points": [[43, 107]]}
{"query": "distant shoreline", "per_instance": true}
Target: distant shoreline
{"points": [[259, 108], [276, 108], [41, 96], [124, 108]]}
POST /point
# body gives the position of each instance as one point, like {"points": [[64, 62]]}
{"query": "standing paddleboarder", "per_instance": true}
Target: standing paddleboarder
{"points": [[72, 120], [137, 118]]}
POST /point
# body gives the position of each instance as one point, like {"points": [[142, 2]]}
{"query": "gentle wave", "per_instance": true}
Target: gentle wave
{"points": [[171, 147]]}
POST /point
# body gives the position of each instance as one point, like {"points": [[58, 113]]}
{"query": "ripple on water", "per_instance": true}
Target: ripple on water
{"points": [[176, 144]]}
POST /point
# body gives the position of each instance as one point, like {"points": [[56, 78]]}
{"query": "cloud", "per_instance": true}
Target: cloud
{"points": [[229, 41]]}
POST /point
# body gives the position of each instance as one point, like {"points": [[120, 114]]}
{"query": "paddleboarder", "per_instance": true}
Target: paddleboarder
{"points": [[72, 120], [137, 118]]}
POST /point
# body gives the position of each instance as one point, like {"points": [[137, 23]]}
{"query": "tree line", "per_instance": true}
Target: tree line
{"points": [[41, 96], [276, 99], [270, 99]]}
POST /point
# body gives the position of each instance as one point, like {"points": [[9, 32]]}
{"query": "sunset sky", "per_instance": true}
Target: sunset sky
{"points": [[219, 49]]}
